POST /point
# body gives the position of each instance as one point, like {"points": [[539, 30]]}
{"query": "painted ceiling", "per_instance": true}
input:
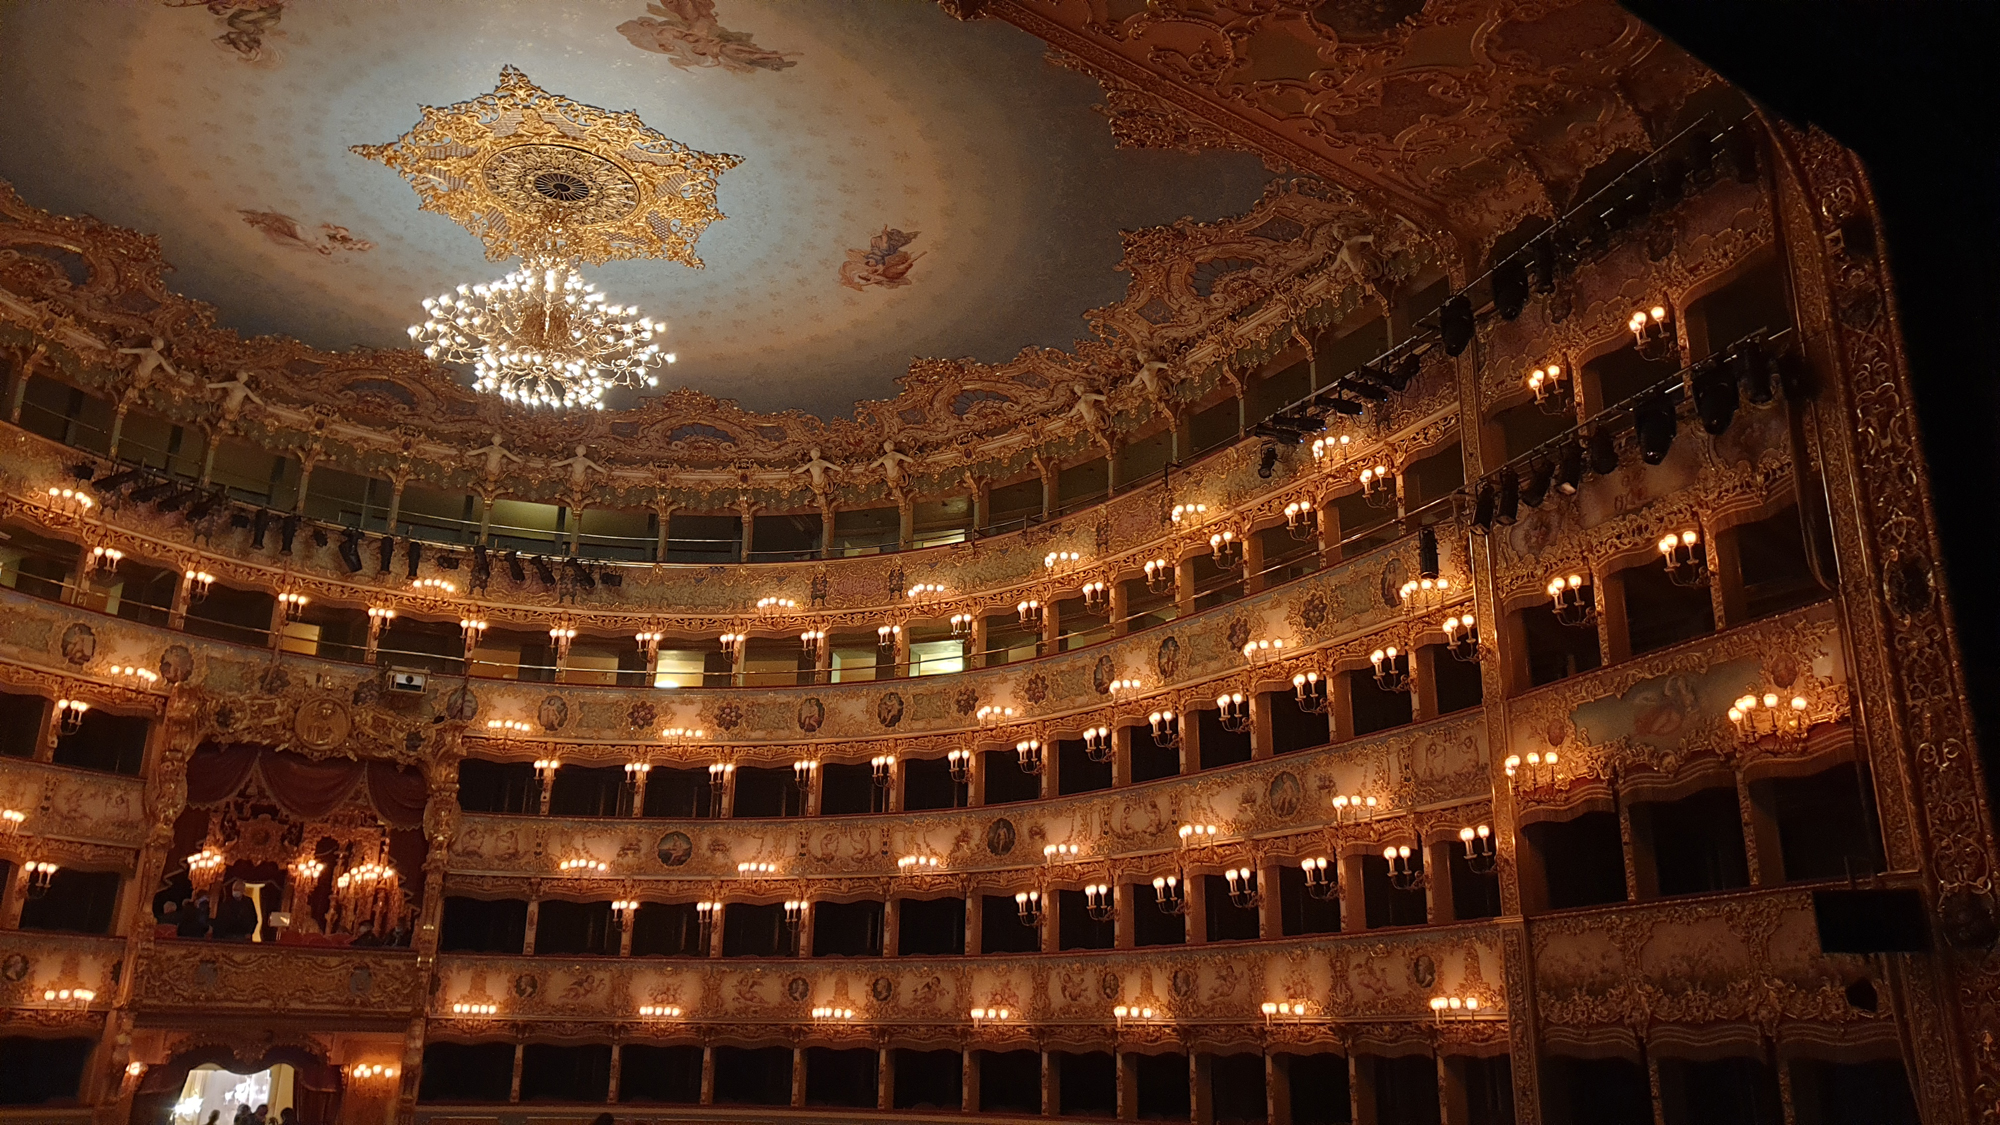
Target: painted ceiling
{"points": [[911, 185]]}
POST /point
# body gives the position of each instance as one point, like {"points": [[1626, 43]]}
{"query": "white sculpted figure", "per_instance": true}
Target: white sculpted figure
{"points": [[817, 469], [149, 361], [1152, 372], [497, 456], [234, 391], [580, 468], [1086, 406], [891, 463]]}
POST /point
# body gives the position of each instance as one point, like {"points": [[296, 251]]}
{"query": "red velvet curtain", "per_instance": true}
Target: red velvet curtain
{"points": [[398, 794], [305, 788]]}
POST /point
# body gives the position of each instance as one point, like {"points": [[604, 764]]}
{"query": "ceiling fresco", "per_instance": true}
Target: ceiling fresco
{"points": [[911, 185]]}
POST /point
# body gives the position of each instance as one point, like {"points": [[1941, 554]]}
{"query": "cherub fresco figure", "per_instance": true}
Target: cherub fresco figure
{"points": [[687, 32], [884, 263]]}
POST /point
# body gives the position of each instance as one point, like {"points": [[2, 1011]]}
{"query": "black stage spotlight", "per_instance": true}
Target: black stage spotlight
{"points": [[1482, 509], [612, 579], [482, 569], [1602, 452], [152, 492], [1510, 288], [579, 576], [1509, 507], [1569, 468], [1405, 371], [447, 561], [514, 569], [1542, 264], [1267, 460], [288, 530], [1353, 384], [1427, 552], [385, 554], [238, 519], [1795, 375], [1535, 488], [1750, 367], [1669, 180], [1346, 406], [203, 506], [117, 480], [258, 523], [319, 536], [350, 550], [1655, 423], [82, 470], [177, 500], [413, 551], [1715, 396], [1455, 324], [1701, 152], [542, 571], [1741, 144]]}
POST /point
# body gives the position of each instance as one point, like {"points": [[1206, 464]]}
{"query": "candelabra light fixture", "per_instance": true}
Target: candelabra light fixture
{"points": [[882, 771], [733, 644], [379, 617], [11, 821], [1129, 1013], [1287, 1011], [1322, 877], [1309, 688], [924, 592], [205, 870], [583, 866], [561, 635], [812, 642], [1423, 593], [1757, 717], [1539, 768], [959, 762], [473, 1010], [1378, 486], [1301, 520], [1028, 904], [133, 675], [1327, 448], [1461, 637], [919, 865], [471, 630], [1169, 895], [77, 997], [1097, 901], [1352, 810], [1233, 711], [719, 774], [293, 605], [992, 715], [435, 586], [1686, 557], [506, 728], [803, 772], [750, 869], [1257, 652], [1243, 889], [1653, 332], [105, 560], [833, 1015], [705, 913], [199, 582], [795, 920], [1097, 744], [1573, 600], [371, 1072], [545, 773], [1122, 685], [1447, 1006], [1030, 752], [1392, 668], [1198, 835], [1160, 576], [773, 605], [41, 874], [1053, 854], [886, 637], [69, 714], [1188, 513], [622, 911], [1097, 596], [1480, 853], [1166, 728], [1030, 612], [1227, 550], [983, 1016], [1060, 560], [72, 502], [1405, 873], [1551, 387], [660, 1011], [961, 624]]}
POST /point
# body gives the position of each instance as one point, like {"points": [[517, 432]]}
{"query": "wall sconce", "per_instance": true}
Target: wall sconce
{"points": [[983, 1016], [1480, 855], [1573, 600], [718, 781], [1403, 874], [733, 645], [10, 822], [660, 1011], [802, 775], [1392, 668], [1122, 686], [918, 865], [1289, 1011], [1686, 557], [1126, 1013], [1188, 513], [371, 1072], [1653, 332], [433, 586], [1030, 751], [135, 1069], [1419, 594], [1053, 854], [1461, 637], [1378, 486], [105, 560], [1098, 902], [1442, 1006], [812, 642], [1168, 894], [561, 635], [1097, 745], [833, 1015], [795, 920], [1227, 550], [545, 772], [1060, 559], [1257, 652], [991, 716], [1301, 520], [40, 873], [961, 624], [583, 867], [1159, 576], [676, 736], [506, 728], [1030, 610], [71, 502], [1352, 810], [771, 605], [198, 584], [1166, 729], [69, 714], [294, 605], [1768, 716], [73, 997], [379, 617], [1541, 768], [1322, 878], [649, 646], [472, 629], [1328, 447], [622, 911], [882, 770], [1310, 690], [134, 676], [205, 870], [474, 1010], [1029, 905], [1233, 708], [755, 870], [924, 592], [705, 914], [1243, 890], [1198, 835], [1097, 596], [960, 764], [1551, 387]]}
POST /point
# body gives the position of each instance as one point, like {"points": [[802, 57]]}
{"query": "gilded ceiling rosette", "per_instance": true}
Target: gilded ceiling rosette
{"points": [[520, 166]]}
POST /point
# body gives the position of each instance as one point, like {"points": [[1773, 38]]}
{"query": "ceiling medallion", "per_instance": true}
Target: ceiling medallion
{"points": [[554, 182]]}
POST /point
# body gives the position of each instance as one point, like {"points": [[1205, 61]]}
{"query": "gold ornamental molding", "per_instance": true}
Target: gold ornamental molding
{"points": [[520, 166]]}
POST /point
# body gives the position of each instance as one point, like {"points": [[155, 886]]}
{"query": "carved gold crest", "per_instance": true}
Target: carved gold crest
{"points": [[321, 724], [523, 168]]}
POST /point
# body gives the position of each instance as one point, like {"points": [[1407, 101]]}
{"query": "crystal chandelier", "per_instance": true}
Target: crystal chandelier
{"points": [[542, 336]]}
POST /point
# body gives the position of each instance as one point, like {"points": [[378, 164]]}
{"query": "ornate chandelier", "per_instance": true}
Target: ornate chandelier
{"points": [[556, 183]]}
